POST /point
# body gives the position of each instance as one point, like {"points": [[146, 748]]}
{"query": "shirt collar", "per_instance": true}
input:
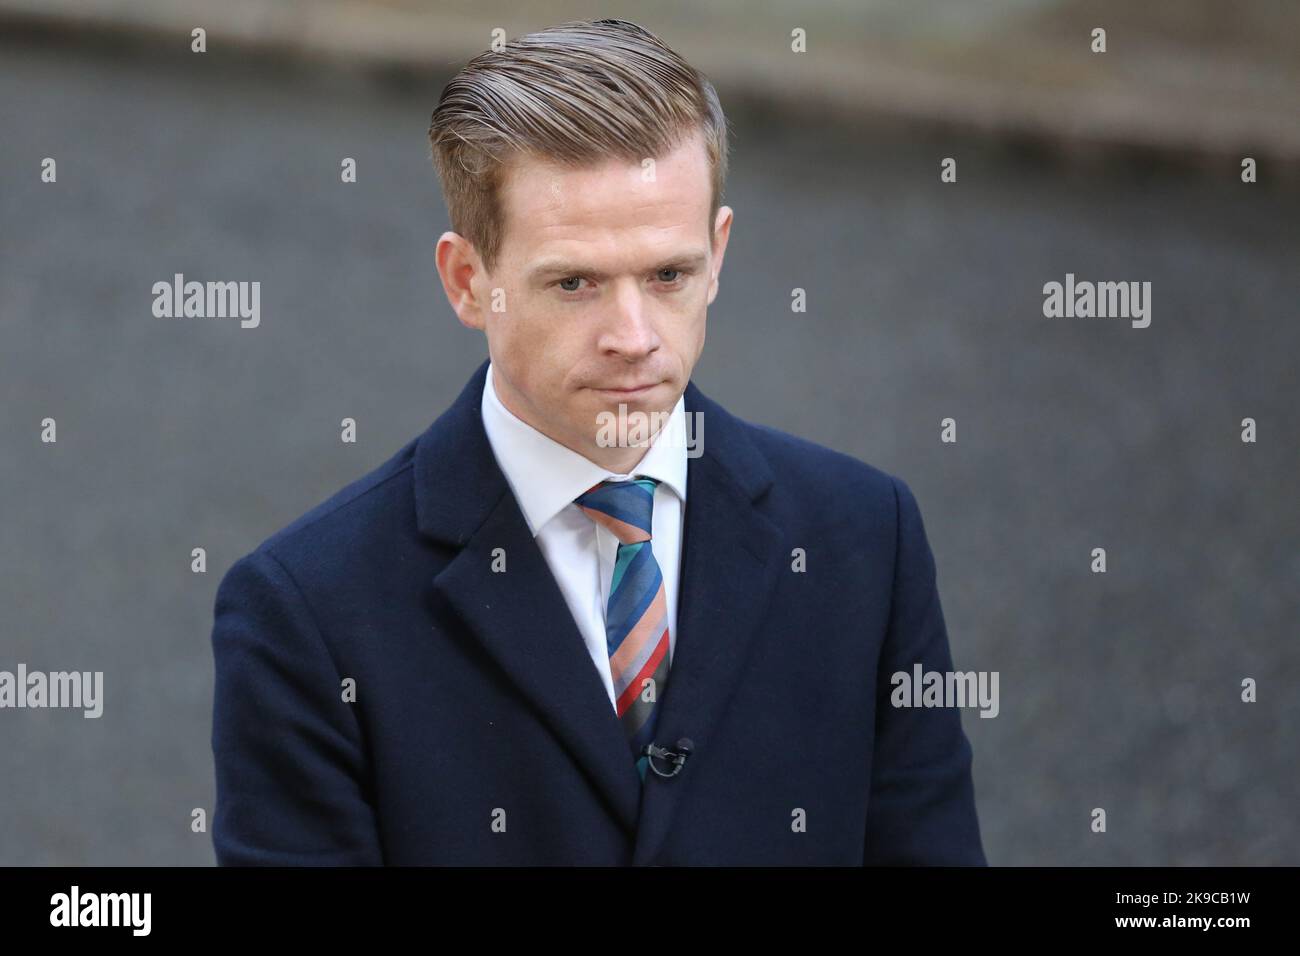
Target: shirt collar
{"points": [[546, 476]]}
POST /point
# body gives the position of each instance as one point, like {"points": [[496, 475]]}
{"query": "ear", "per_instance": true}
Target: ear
{"points": [[721, 233], [461, 271]]}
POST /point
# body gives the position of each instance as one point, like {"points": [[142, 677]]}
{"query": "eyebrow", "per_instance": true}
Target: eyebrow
{"points": [[562, 268]]}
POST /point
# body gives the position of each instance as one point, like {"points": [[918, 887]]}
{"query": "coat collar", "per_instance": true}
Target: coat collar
{"points": [[731, 555]]}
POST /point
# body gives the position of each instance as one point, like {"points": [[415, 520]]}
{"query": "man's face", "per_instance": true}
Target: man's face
{"points": [[604, 279]]}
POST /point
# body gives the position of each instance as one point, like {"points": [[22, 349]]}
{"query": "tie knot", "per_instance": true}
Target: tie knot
{"points": [[624, 507]]}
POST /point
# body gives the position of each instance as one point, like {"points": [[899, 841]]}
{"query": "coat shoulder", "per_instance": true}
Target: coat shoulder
{"points": [[824, 474], [363, 510]]}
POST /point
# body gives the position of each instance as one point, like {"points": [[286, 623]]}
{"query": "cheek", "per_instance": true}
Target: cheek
{"points": [[688, 328], [550, 359], [524, 331]]}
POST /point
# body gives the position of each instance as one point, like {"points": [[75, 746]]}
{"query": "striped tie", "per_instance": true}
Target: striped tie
{"points": [[636, 617]]}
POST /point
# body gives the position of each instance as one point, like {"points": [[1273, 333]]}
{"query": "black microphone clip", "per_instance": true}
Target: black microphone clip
{"points": [[677, 758]]}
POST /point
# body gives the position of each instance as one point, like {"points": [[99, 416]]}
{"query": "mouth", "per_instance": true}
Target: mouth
{"points": [[632, 392]]}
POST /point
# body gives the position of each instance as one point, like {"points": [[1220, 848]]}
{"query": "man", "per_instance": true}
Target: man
{"points": [[589, 617]]}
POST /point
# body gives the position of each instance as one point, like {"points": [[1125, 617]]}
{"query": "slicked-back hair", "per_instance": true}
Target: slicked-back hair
{"points": [[575, 94]]}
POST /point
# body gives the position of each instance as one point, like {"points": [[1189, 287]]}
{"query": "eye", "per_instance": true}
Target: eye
{"points": [[566, 288], [676, 273]]}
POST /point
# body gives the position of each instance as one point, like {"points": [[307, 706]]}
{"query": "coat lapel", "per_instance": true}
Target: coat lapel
{"points": [[519, 616], [730, 560], [731, 556]]}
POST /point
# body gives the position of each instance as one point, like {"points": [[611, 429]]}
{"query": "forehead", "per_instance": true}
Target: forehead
{"points": [[546, 204]]}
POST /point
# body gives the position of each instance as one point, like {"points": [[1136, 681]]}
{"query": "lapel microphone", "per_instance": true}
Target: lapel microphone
{"points": [[677, 758]]}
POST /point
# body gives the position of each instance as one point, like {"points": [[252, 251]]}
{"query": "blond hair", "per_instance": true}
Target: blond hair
{"points": [[576, 94]]}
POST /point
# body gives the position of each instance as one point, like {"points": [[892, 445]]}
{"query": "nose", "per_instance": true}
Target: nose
{"points": [[628, 328]]}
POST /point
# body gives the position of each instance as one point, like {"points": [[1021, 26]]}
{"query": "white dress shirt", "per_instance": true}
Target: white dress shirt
{"points": [[545, 477]]}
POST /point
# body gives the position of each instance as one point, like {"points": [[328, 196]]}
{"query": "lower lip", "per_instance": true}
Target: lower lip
{"points": [[627, 393]]}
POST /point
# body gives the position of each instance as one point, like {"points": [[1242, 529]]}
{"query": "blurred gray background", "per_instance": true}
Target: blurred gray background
{"points": [[925, 301]]}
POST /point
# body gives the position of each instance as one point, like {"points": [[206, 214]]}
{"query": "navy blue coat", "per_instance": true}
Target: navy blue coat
{"points": [[481, 734]]}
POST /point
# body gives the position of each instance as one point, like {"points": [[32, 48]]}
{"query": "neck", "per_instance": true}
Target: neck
{"points": [[618, 458]]}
